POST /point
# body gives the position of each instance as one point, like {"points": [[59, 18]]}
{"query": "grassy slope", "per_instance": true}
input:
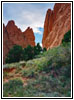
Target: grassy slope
{"points": [[48, 75]]}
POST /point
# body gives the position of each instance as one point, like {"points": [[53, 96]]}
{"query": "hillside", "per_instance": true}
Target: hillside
{"points": [[41, 69], [48, 75]]}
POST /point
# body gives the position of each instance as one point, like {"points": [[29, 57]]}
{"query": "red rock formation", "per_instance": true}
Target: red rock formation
{"points": [[29, 36], [57, 23], [12, 35]]}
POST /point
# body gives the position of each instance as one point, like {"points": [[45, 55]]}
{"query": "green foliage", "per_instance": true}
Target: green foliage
{"points": [[67, 72], [44, 49], [13, 88], [49, 75], [46, 86], [28, 73], [28, 53], [67, 37], [15, 65], [37, 49], [31, 52], [15, 54], [5, 74]]}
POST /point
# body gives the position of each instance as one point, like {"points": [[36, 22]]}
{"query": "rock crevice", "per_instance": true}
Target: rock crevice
{"points": [[57, 23]]}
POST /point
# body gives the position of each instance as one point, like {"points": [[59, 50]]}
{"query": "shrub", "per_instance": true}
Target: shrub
{"points": [[44, 49], [22, 63], [15, 54], [13, 88], [28, 53], [29, 73], [67, 37], [15, 65], [53, 71], [67, 72], [37, 49]]}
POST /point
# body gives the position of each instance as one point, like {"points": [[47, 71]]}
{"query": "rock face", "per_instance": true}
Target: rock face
{"points": [[12, 35], [57, 23]]}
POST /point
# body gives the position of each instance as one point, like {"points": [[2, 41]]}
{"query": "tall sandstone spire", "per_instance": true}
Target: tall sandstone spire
{"points": [[12, 35], [57, 23]]}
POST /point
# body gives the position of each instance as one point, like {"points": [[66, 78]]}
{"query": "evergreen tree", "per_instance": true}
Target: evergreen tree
{"points": [[15, 54], [37, 49], [67, 37], [44, 49], [28, 53]]}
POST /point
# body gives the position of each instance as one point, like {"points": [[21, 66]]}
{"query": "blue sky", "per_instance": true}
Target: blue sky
{"points": [[27, 15]]}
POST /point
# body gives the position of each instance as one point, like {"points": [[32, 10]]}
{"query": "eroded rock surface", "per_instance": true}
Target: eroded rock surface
{"points": [[57, 23], [12, 35]]}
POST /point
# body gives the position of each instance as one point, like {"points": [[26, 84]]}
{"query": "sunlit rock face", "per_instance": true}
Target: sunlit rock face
{"points": [[57, 23], [12, 35]]}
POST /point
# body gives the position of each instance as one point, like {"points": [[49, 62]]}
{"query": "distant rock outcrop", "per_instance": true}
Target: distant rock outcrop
{"points": [[57, 23], [12, 35]]}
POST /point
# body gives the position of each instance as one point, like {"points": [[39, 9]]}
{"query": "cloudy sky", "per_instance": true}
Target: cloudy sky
{"points": [[27, 14]]}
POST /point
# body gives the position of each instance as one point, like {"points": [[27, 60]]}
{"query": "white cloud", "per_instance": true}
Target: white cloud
{"points": [[27, 15], [36, 30], [34, 20]]}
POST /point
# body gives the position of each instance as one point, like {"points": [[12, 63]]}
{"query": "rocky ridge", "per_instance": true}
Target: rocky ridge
{"points": [[12, 35], [57, 23]]}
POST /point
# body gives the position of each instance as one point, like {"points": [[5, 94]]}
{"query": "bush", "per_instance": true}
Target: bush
{"points": [[67, 37], [13, 88], [48, 76], [44, 49], [28, 53], [29, 73], [15, 54], [37, 49], [67, 72]]}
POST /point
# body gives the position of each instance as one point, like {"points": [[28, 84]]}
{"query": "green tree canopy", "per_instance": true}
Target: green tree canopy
{"points": [[44, 49], [37, 49], [15, 54], [67, 37], [28, 53]]}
